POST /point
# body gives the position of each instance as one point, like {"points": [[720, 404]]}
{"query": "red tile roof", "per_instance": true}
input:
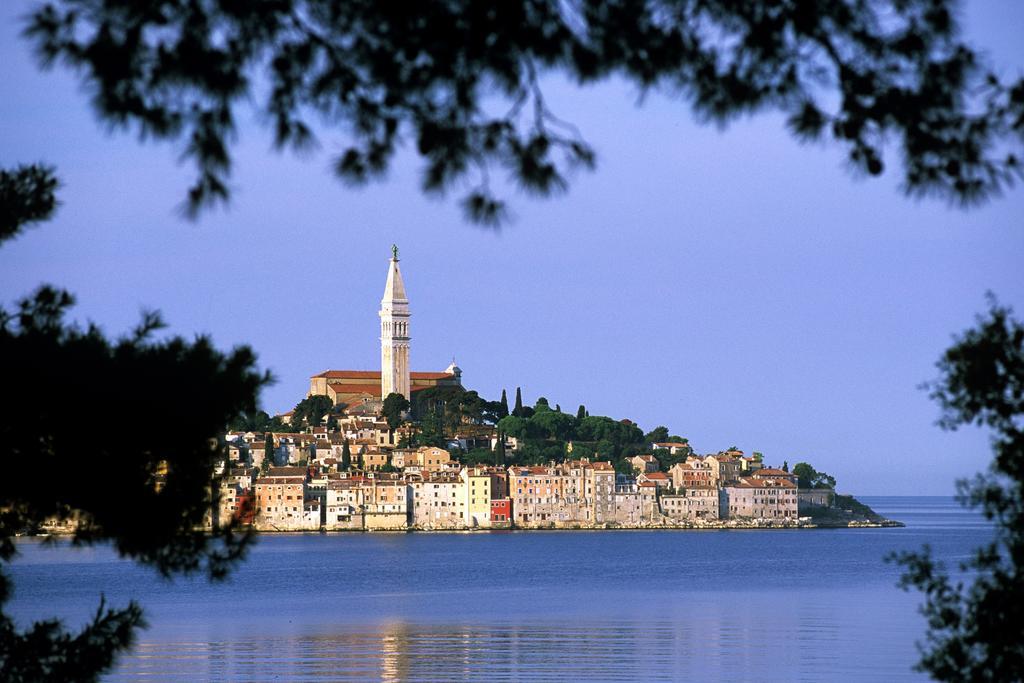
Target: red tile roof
{"points": [[764, 484], [370, 389], [375, 374]]}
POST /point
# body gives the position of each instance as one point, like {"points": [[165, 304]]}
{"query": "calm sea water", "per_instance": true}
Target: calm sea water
{"points": [[806, 605]]}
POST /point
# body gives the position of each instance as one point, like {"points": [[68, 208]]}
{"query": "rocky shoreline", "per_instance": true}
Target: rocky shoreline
{"points": [[697, 525]]}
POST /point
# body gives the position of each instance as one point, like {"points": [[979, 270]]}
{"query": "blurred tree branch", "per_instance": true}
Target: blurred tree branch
{"points": [[857, 71], [976, 630], [120, 438]]}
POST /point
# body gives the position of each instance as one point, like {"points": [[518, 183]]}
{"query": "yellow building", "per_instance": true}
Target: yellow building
{"points": [[478, 494]]}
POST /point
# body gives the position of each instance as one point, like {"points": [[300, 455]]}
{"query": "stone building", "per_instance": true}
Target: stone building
{"points": [[280, 500], [759, 499], [370, 387], [600, 490], [693, 472], [385, 504], [438, 502], [692, 503]]}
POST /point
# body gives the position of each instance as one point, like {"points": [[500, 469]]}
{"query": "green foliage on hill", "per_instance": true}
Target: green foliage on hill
{"points": [[393, 408], [257, 422], [310, 412], [810, 478]]}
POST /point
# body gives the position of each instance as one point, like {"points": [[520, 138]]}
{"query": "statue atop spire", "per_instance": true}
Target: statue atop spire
{"points": [[394, 252]]}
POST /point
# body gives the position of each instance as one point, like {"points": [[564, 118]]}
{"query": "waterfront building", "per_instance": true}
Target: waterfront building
{"points": [[807, 499], [501, 512], [343, 505], [756, 498], [599, 492], [692, 503], [775, 473], [482, 484], [438, 501], [385, 504], [628, 506], [280, 499]]}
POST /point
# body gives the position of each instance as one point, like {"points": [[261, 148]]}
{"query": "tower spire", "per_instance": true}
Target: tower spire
{"points": [[394, 333]]}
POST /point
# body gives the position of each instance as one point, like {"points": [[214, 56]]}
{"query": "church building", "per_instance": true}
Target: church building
{"points": [[358, 387]]}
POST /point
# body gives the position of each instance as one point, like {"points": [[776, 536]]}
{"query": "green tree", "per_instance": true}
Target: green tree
{"points": [[623, 466], [201, 392], [346, 455], [504, 405], [311, 410], [657, 435], [614, 433], [471, 407], [810, 478], [860, 73], [518, 410], [976, 624], [581, 413], [268, 445], [553, 424], [431, 431], [394, 408], [499, 450], [514, 426], [806, 475]]}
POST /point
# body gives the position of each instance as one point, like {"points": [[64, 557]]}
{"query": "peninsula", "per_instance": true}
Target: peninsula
{"points": [[393, 449]]}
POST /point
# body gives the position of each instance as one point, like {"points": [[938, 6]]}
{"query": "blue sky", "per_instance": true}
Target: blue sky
{"points": [[734, 285]]}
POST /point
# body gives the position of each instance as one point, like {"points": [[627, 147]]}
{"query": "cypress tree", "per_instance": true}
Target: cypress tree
{"points": [[581, 413], [504, 405], [346, 455], [499, 451], [268, 443], [519, 403]]}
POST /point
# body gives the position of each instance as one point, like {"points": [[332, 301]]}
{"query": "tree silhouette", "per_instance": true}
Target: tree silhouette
{"points": [[395, 405], [145, 492], [976, 631], [857, 72]]}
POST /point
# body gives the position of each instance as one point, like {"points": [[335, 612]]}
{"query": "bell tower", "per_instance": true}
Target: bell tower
{"points": [[394, 333]]}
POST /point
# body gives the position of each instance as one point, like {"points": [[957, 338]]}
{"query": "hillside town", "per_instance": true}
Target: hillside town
{"points": [[394, 449], [314, 484]]}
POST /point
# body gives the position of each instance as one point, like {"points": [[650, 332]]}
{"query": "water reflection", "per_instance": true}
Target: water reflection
{"points": [[732, 642]]}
